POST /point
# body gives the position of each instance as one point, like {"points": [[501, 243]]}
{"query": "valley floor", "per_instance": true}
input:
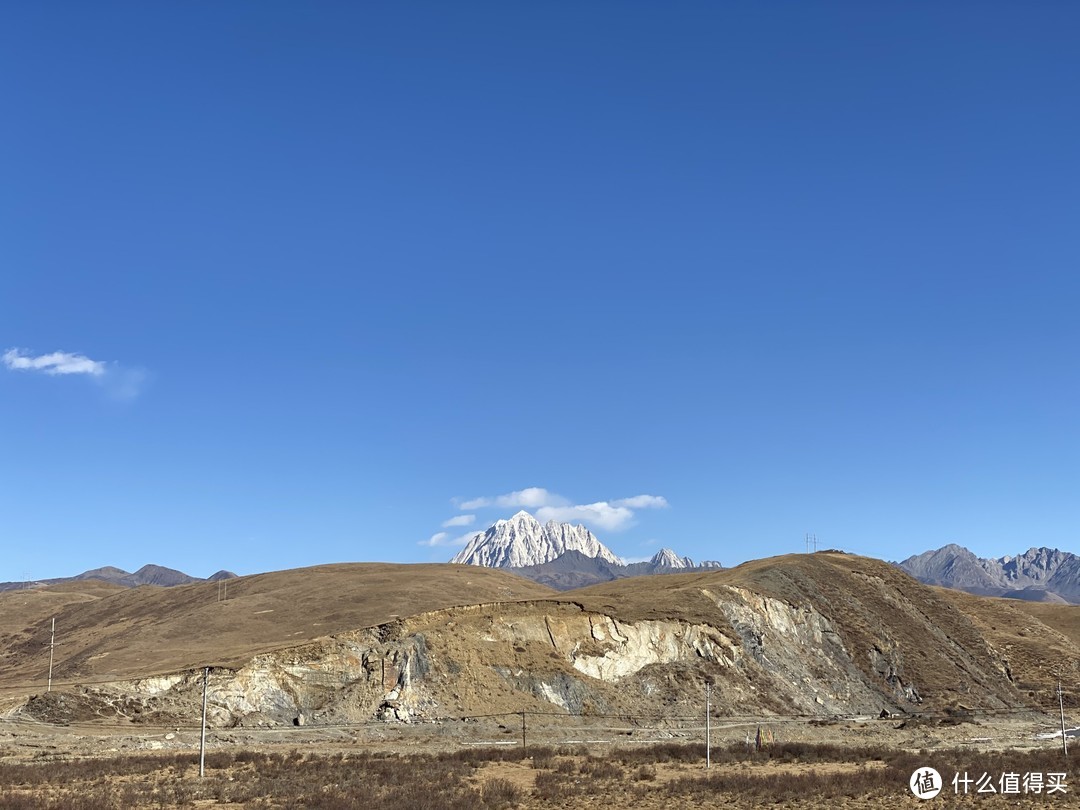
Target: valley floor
{"points": [[481, 764]]}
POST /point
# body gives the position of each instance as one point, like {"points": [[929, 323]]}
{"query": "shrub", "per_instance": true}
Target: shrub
{"points": [[499, 793]]}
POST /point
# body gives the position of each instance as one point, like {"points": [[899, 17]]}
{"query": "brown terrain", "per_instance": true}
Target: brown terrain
{"points": [[109, 632], [386, 660]]}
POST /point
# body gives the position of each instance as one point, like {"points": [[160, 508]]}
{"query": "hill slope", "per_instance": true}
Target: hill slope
{"points": [[809, 635], [104, 632]]}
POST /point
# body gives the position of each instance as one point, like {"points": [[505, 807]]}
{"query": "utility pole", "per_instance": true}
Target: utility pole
{"points": [[202, 738], [523, 731], [708, 723], [52, 648], [1061, 708]]}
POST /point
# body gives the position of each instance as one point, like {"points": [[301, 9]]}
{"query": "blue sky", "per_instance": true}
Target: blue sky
{"points": [[324, 274]]}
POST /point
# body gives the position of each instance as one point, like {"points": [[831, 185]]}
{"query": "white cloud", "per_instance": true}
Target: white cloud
{"points": [[643, 502], [601, 515], [117, 381], [460, 520], [435, 539], [444, 539], [528, 498], [609, 516], [53, 364]]}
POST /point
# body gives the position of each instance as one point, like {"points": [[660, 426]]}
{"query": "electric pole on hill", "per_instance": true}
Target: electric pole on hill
{"points": [[708, 721], [202, 736], [52, 648], [811, 542], [1061, 708]]}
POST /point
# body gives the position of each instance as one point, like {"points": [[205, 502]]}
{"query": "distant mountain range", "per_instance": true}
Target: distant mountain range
{"points": [[1037, 575], [561, 555], [564, 556], [147, 575]]}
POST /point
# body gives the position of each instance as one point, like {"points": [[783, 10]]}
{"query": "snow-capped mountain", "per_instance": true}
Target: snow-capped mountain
{"points": [[667, 560], [523, 541]]}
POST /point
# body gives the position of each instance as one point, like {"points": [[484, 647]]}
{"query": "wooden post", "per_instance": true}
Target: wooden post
{"points": [[202, 738], [708, 725], [52, 648], [1064, 739]]}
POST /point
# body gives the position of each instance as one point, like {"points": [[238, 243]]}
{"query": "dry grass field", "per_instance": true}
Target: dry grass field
{"points": [[783, 776]]}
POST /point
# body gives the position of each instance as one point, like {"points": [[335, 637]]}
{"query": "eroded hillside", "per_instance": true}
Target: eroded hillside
{"points": [[826, 634]]}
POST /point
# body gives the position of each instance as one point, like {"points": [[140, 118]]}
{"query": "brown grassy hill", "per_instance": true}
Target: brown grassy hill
{"points": [[26, 608], [1039, 641], [108, 633], [827, 634], [894, 628]]}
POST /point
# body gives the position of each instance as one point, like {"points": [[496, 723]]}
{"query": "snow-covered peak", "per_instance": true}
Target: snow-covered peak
{"points": [[522, 541], [666, 558]]}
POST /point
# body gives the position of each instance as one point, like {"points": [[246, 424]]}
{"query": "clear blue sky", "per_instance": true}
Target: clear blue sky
{"points": [[317, 269]]}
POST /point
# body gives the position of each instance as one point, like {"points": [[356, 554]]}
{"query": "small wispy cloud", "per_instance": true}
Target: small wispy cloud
{"points": [[612, 516], [459, 520], [444, 539], [119, 382], [528, 498], [602, 515], [53, 364], [643, 502]]}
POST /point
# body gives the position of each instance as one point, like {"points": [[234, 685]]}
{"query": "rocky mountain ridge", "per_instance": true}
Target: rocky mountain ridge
{"points": [[1039, 574], [562, 556], [575, 570], [523, 541]]}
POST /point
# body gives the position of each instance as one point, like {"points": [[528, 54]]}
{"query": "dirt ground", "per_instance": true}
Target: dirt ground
{"points": [[597, 764], [21, 738]]}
